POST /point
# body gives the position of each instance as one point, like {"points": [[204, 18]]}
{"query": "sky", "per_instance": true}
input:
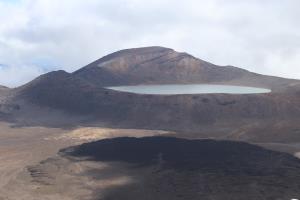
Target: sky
{"points": [[38, 36]]}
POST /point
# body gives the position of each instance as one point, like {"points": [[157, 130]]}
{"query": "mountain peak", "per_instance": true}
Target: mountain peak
{"points": [[154, 65], [149, 49], [140, 54]]}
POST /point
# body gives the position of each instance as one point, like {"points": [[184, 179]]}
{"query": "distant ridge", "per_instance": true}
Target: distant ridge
{"points": [[3, 87]]}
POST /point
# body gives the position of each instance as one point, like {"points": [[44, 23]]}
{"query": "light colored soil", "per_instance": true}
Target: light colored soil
{"points": [[22, 149]]}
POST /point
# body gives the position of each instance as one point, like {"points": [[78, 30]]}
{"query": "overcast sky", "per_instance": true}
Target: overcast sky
{"points": [[37, 36]]}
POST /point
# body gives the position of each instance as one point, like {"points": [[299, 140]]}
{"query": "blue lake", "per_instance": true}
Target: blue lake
{"points": [[189, 89]]}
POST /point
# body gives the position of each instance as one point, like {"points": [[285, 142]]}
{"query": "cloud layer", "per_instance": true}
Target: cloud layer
{"points": [[37, 36]]}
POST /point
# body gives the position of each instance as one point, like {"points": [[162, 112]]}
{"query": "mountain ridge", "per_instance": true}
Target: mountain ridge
{"points": [[159, 65]]}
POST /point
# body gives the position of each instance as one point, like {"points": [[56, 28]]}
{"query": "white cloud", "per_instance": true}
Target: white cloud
{"points": [[262, 36]]}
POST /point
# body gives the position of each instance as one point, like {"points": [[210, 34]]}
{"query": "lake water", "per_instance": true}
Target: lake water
{"points": [[189, 89]]}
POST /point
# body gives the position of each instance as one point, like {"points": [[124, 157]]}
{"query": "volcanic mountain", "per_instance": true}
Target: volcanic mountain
{"points": [[84, 94], [158, 65]]}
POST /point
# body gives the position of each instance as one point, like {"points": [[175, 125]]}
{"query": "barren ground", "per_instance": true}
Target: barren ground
{"points": [[26, 174], [22, 150]]}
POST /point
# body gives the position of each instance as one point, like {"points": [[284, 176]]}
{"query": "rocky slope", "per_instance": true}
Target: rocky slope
{"points": [[189, 113]]}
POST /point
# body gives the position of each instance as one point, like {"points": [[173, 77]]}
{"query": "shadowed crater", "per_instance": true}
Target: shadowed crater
{"points": [[189, 154], [172, 168]]}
